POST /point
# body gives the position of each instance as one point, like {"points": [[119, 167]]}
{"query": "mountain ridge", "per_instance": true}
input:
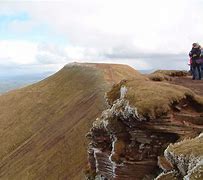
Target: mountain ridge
{"points": [[43, 126]]}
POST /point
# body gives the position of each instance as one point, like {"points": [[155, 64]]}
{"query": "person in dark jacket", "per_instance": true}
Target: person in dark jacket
{"points": [[195, 56]]}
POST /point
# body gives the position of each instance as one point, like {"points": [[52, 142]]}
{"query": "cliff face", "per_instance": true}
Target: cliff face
{"points": [[128, 140]]}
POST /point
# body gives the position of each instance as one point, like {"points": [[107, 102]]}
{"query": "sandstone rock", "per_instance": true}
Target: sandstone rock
{"points": [[164, 164]]}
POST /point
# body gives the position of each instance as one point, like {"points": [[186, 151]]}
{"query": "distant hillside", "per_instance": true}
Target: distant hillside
{"points": [[146, 71], [8, 83], [43, 126]]}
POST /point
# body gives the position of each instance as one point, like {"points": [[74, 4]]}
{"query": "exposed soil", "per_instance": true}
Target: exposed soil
{"points": [[195, 85]]}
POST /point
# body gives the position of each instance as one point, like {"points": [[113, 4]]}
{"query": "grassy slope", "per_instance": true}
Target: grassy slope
{"points": [[43, 126]]}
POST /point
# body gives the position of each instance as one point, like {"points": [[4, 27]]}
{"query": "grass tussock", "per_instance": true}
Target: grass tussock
{"points": [[154, 99], [188, 147], [159, 77], [172, 73]]}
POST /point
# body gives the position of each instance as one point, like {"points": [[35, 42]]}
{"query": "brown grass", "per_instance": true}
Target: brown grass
{"points": [[43, 126]]}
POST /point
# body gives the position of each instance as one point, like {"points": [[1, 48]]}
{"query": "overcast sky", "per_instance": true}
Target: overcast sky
{"points": [[45, 35]]}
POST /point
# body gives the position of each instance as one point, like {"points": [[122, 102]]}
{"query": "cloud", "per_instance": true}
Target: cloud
{"points": [[144, 34], [20, 52], [51, 54], [101, 23]]}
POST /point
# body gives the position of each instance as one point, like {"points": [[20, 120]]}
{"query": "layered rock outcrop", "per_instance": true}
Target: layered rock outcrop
{"points": [[186, 158], [128, 140]]}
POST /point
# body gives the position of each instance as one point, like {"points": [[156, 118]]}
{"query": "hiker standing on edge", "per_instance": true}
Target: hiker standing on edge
{"points": [[195, 55]]}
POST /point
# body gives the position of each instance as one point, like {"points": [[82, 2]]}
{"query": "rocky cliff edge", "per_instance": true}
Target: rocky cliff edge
{"points": [[145, 133]]}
